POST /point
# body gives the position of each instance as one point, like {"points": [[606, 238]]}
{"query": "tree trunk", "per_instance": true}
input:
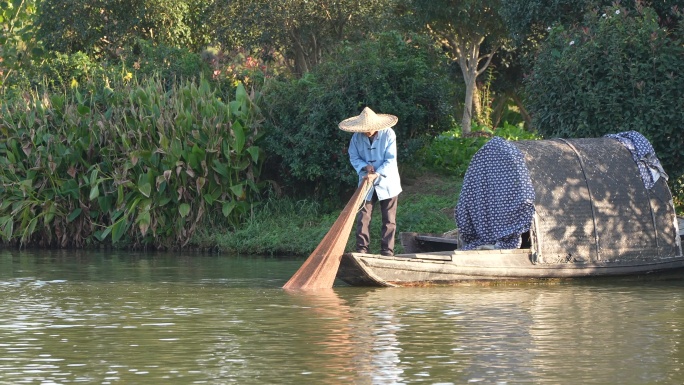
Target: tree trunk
{"points": [[497, 112], [468, 56], [300, 63], [467, 53], [299, 55], [478, 113], [471, 87], [525, 115]]}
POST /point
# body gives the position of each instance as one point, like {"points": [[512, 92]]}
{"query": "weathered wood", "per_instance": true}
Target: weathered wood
{"points": [[593, 217], [417, 242], [458, 267], [432, 238]]}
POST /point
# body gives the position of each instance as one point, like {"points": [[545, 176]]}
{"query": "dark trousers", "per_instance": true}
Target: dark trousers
{"points": [[388, 208]]}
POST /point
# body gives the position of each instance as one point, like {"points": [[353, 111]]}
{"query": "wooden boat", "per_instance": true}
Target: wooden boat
{"points": [[480, 266], [599, 221]]}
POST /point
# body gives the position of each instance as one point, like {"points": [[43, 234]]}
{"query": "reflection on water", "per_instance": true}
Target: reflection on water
{"points": [[179, 319], [539, 334]]}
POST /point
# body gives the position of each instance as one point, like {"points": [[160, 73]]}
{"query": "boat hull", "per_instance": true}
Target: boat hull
{"points": [[481, 266]]}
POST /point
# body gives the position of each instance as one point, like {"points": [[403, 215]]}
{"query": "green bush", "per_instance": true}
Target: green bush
{"points": [[620, 71], [58, 71], [146, 58], [451, 153], [62, 71], [19, 48], [101, 27], [249, 67], [390, 74], [134, 164]]}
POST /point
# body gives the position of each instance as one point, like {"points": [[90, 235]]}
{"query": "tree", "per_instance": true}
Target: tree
{"points": [[529, 18], [389, 73], [101, 27], [470, 32], [530, 21], [302, 31], [18, 44], [617, 71]]}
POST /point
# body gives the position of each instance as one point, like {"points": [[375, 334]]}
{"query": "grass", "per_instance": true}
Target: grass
{"points": [[284, 227]]}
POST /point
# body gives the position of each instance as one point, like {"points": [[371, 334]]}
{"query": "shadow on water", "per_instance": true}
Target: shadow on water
{"points": [[117, 266]]}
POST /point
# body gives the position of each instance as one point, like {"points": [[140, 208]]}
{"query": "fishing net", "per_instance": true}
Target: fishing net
{"points": [[320, 269]]}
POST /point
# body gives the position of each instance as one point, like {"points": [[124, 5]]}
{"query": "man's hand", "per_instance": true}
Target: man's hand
{"points": [[372, 177], [370, 169]]}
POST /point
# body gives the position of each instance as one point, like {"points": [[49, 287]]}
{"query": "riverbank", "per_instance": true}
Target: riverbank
{"points": [[284, 227]]}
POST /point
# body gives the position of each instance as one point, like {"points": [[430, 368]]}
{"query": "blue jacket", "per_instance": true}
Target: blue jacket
{"points": [[382, 155]]}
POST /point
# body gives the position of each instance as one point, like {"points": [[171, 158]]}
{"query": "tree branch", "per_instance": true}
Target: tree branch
{"points": [[489, 57]]}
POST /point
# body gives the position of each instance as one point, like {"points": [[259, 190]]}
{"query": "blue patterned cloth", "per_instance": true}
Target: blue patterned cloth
{"points": [[496, 204], [644, 156]]}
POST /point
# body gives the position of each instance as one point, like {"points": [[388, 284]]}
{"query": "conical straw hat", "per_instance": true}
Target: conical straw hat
{"points": [[368, 121]]}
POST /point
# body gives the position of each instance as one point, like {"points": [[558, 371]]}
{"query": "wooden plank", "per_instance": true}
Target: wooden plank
{"points": [[429, 238], [434, 256], [492, 252]]}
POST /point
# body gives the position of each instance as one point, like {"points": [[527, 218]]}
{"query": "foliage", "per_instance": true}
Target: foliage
{"points": [[100, 28], [240, 66], [60, 71], [135, 163], [288, 227], [618, 72], [18, 45], [303, 32], [678, 193], [530, 21], [451, 151], [281, 226], [404, 77], [526, 18], [170, 63], [454, 21], [470, 32], [424, 213]]}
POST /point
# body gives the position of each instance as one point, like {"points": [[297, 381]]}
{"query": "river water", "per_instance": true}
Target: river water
{"points": [[123, 318]]}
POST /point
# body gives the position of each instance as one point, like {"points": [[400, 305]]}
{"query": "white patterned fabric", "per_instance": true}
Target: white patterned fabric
{"points": [[496, 205], [644, 156]]}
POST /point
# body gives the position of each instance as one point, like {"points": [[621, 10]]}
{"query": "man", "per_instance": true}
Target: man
{"points": [[373, 149]]}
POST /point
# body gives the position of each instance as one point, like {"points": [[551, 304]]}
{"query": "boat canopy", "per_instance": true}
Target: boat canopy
{"points": [[580, 200]]}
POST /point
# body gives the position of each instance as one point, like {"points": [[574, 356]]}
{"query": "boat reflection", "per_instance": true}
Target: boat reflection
{"points": [[538, 333]]}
